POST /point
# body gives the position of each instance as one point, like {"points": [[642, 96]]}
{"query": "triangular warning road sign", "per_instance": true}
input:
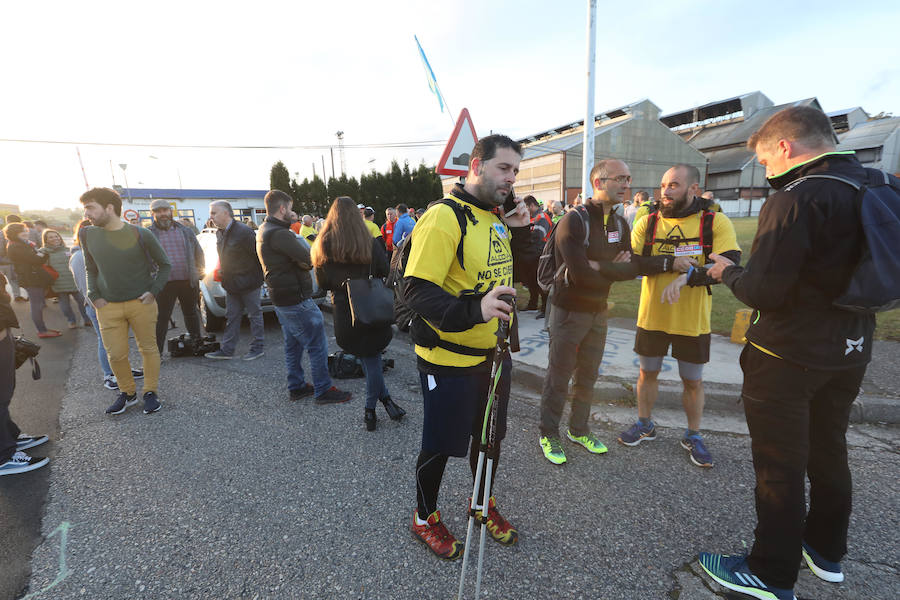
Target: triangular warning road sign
{"points": [[455, 159]]}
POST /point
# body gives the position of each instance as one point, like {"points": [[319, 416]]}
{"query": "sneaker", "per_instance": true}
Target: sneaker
{"points": [[700, 456], [73, 325], [540, 315], [218, 354], [30, 441], [589, 441], [553, 450], [498, 527], [253, 355], [151, 403], [435, 535], [299, 394], [22, 463], [821, 567], [333, 396], [50, 333], [123, 401], [21, 299], [733, 573], [637, 434], [137, 373], [110, 383]]}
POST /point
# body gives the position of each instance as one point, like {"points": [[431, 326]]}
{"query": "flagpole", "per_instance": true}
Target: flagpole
{"points": [[587, 156], [83, 174]]}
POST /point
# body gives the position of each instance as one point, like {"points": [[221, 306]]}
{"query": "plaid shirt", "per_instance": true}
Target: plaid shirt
{"points": [[173, 242]]}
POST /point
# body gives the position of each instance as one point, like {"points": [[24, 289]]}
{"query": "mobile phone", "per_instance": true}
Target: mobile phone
{"points": [[509, 205]]}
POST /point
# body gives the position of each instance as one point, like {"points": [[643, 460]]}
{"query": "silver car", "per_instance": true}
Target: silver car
{"points": [[212, 294]]}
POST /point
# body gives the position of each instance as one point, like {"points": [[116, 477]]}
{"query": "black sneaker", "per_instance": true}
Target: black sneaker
{"points": [[151, 403], [123, 401], [333, 396], [300, 393], [30, 441], [22, 463], [137, 373]]}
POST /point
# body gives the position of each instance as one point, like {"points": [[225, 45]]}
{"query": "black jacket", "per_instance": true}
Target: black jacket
{"points": [[28, 264], [286, 262], [807, 244], [361, 341], [583, 288], [239, 266]]}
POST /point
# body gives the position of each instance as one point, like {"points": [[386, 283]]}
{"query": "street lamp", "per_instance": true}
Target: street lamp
{"points": [[124, 166]]}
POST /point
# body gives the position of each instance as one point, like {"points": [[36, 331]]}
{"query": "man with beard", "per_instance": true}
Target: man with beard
{"points": [[454, 283], [187, 260], [120, 260], [682, 229]]}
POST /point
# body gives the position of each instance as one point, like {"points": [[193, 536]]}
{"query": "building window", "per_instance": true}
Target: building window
{"points": [[868, 155]]}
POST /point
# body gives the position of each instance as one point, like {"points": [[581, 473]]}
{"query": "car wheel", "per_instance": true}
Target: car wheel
{"points": [[210, 321]]}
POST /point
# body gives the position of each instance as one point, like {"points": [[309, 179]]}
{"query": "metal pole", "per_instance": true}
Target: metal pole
{"points": [[587, 159], [323, 168], [332, 162]]}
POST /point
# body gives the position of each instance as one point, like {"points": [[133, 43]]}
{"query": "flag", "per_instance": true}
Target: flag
{"points": [[432, 81]]}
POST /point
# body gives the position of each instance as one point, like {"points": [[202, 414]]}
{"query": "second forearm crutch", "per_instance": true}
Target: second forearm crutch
{"points": [[486, 451]]}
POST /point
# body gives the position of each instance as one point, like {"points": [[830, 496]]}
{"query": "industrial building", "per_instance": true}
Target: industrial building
{"points": [[193, 204], [551, 165]]}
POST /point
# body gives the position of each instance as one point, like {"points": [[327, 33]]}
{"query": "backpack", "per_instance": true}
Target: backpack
{"points": [[875, 284], [705, 239], [405, 317], [547, 269]]}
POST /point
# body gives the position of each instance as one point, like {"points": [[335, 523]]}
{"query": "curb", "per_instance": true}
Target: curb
{"points": [[719, 397]]}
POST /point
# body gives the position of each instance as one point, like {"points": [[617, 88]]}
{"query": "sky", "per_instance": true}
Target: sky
{"points": [[292, 73]]}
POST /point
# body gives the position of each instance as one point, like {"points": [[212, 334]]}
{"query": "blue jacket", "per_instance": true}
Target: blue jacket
{"points": [[402, 228]]}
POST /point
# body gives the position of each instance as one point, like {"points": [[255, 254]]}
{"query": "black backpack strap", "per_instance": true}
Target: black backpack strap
{"points": [[649, 240], [586, 223], [706, 234], [462, 213]]}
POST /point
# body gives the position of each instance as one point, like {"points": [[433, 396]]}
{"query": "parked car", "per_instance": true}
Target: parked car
{"points": [[212, 294]]}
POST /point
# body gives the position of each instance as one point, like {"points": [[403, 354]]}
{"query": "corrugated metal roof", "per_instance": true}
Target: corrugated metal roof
{"points": [[566, 142], [730, 159], [871, 134], [190, 194], [599, 117], [738, 133]]}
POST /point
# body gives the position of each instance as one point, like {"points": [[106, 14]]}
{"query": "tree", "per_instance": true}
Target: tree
{"points": [[280, 179]]}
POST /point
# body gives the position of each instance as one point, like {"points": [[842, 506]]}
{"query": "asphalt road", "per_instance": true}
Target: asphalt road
{"points": [[232, 491]]}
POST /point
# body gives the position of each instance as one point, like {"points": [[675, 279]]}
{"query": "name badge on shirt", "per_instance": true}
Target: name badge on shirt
{"points": [[501, 230], [612, 237], [690, 250]]}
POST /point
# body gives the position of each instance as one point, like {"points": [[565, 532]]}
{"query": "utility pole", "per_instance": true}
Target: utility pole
{"points": [[587, 158], [332, 161], [340, 137]]}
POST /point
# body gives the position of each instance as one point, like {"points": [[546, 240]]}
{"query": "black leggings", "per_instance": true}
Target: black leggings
{"points": [[430, 472]]}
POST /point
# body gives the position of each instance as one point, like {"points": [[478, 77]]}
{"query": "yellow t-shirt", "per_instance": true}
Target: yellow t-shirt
{"points": [[373, 228], [690, 315], [305, 231], [488, 259]]}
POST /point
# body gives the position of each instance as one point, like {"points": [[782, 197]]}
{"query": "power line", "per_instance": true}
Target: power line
{"points": [[412, 144]]}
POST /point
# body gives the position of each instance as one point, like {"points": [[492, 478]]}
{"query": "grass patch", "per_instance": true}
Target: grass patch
{"points": [[626, 294]]}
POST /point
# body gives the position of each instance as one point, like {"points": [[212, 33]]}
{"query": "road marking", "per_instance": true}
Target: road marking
{"points": [[64, 571]]}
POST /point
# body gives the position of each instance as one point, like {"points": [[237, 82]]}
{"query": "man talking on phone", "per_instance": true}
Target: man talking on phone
{"points": [[460, 263]]}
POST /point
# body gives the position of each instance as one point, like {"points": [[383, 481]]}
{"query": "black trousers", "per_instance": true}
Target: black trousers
{"points": [[798, 423], [187, 297], [9, 431]]}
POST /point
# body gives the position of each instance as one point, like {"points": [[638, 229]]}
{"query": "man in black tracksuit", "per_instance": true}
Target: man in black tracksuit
{"points": [[805, 359]]}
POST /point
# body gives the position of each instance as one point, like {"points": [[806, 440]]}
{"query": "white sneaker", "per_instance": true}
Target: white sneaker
{"points": [[110, 383], [22, 463]]}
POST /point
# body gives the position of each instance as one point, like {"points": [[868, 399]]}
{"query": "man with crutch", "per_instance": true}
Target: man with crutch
{"points": [[454, 281]]}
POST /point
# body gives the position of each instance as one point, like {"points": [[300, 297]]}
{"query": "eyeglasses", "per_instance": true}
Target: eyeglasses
{"points": [[620, 179]]}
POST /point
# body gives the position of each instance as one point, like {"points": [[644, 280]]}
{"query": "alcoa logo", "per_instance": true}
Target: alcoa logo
{"points": [[854, 345]]}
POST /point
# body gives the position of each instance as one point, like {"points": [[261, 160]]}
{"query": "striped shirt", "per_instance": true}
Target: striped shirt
{"points": [[172, 241]]}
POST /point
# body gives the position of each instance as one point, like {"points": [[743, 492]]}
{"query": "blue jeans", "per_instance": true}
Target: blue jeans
{"points": [[101, 350], [235, 305], [304, 329], [66, 308], [375, 387], [36, 299]]}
